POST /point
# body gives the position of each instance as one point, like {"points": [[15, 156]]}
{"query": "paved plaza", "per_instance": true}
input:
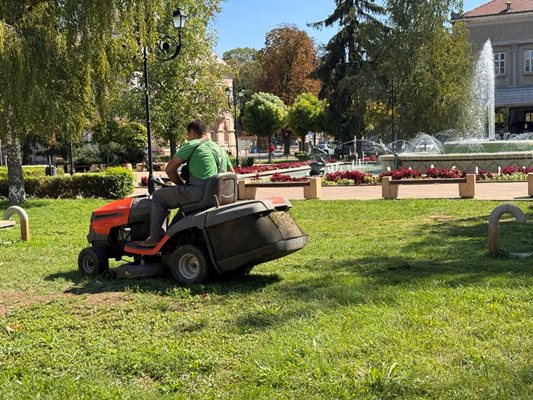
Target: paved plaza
{"points": [[499, 191]]}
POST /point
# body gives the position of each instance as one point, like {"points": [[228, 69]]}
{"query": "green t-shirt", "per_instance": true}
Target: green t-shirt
{"points": [[203, 163]]}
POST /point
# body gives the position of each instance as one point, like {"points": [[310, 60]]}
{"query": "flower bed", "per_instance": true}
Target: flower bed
{"points": [[355, 177], [349, 178], [358, 178], [270, 167], [402, 173], [277, 177]]}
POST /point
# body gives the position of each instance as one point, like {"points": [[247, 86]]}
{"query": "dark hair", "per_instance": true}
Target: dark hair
{"points": [[197, 126]]}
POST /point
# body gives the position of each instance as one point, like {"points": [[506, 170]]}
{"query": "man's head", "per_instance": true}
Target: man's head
{"points": [[196, 129]]}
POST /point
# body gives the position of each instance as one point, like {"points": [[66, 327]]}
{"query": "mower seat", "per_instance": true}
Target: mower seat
{"points": [[220, 190]]}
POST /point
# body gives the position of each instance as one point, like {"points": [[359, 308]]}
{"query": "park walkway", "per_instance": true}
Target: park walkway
{"points": [[499, 191]]}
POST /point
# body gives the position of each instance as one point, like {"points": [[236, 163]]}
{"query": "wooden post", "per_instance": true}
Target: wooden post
{"points": [[530, 184], [314, 190], [245, 192], [467, 190], [388, 191]]}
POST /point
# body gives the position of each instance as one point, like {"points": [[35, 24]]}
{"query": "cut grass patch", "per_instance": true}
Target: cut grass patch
{"points": [[389, 300]]}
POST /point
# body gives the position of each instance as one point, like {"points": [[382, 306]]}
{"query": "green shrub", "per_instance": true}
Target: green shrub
{"points": [[28, 171], [88, 155], [301, 155], [113, 183], [247, 161]]}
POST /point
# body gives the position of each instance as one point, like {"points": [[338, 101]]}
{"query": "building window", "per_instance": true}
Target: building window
{"points": [[499, 63], [528, 61]]}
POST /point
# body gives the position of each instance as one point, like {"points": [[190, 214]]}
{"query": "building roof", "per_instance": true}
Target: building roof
{"points": [[500, 7]]}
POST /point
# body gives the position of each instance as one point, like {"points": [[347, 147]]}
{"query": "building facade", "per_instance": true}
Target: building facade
{"points": [[509, 26]]}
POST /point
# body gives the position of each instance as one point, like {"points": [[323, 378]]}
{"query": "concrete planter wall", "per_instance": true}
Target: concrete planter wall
{"points": [[464, 162]]}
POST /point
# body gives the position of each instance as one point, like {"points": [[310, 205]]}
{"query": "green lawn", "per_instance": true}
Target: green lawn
{"points": [[389, 300]]}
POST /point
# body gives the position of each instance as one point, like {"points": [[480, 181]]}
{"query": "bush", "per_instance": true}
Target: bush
{"points": [[247, 161], [301, 155], [28, 171], [87, 155], [113, 183]]}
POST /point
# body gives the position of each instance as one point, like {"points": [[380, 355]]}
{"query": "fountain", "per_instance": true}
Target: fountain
{"points": [[482, 148]]}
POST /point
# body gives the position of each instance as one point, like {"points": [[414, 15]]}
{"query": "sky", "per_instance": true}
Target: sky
{"points": [[244, 23]]}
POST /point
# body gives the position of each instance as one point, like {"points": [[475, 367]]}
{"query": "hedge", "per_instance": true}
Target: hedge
{"points": [[28, 171], [113, 183]]}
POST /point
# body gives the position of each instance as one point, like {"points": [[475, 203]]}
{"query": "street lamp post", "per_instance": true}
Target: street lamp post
{"points": [[167, 49], [236, 101]]}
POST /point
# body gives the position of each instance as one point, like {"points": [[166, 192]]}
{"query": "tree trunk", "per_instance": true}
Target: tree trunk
{"points": [[173, 145], [15, 180]]}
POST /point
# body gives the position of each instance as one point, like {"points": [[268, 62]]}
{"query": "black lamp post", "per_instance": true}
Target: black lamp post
{"points": [[167, 49], [236, 101]]}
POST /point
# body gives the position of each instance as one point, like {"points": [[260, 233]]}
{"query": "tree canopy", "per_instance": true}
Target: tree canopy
{"points": [[427, 65], [245, 68], [395, 71], [264, 114], [287, 62], [61, 62], [343, 60], [306, 114]]}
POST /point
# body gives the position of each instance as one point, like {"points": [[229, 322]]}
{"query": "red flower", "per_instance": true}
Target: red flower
{"points": [[402, 173], [276, 177], [357, 176]]}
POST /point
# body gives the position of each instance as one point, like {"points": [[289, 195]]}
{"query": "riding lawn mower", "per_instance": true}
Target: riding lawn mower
{"points": [[217, 235]]}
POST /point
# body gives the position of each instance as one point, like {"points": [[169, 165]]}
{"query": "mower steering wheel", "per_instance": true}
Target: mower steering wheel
{"points": [[160, 181]]}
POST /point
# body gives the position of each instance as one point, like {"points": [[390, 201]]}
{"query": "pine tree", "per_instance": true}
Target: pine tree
{"points": [[342, 61]]}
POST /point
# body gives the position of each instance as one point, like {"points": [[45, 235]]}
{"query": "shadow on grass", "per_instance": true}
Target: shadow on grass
{"points": [[163, 285]]}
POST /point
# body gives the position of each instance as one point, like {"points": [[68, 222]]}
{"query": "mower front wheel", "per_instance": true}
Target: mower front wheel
{"points": [[93, 261], [189, 265]]}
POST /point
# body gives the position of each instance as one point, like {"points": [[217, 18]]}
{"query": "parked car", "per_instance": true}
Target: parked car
{"points": [[325, 147], [345, 149], [368, 147]]}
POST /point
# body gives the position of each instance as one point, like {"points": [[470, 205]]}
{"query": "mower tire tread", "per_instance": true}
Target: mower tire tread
{"points": [[189, 265], [93, 261]]}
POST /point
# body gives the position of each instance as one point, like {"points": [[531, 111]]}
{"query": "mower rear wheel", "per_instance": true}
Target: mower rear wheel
{"points": [[93, 261], [190, 265]]}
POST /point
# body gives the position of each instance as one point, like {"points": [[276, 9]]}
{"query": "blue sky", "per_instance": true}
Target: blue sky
{"points": [[244, 23]]}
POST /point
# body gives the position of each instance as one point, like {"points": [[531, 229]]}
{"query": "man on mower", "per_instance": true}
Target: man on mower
{"points": [[204, 159]]}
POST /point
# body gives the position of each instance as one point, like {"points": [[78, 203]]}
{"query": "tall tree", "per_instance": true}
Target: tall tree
{"points": [[430, 67], [60, 62], [287, 61], [344, 57], [245, 68], [184, 88], [264, 114], [56, 59]]}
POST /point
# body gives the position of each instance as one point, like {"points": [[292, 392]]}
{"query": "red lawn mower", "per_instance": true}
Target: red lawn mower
{"points": [[217, 235]]}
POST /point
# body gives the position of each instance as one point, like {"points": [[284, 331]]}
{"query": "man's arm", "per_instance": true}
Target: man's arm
{"points": [[172, 170], [229, 165]]}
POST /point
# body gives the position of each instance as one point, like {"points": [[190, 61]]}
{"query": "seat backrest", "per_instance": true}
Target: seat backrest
{"points": [[223, 186]]}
